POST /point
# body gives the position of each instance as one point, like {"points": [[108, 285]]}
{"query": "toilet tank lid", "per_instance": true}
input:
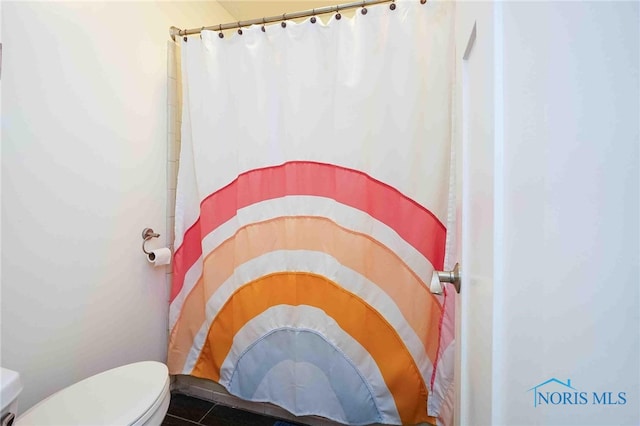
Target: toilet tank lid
{"points": [[11, 387], [120, 396]]}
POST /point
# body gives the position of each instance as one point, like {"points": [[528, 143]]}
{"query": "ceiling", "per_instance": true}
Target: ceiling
{"points": [[244, 10]]}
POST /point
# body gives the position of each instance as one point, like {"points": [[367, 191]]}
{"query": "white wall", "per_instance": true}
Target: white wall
{"points": [[568, 265], [84, 152], [572, 260]]}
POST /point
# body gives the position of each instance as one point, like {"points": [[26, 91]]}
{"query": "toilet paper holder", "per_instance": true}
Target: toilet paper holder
{"points": [[147, 234]]}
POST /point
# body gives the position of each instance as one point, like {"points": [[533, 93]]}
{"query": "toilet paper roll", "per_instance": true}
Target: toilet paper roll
{"points": [[159, 257]]}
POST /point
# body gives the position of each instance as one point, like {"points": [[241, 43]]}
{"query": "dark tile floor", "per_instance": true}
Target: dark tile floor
{"points": [[189, 411]]}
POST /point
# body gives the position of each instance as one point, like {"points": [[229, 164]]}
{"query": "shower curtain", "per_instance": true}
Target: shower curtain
{"points": [[312, 206]]}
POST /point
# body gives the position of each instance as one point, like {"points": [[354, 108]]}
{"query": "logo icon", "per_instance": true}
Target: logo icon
{"points": [[557, 392], [545, 397]]}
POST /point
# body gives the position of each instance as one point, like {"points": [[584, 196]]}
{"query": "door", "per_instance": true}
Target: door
{"points": [[478, 182]]}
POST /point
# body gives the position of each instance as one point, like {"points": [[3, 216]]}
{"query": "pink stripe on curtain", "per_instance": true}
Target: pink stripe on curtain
{"points": [[413, 222]]}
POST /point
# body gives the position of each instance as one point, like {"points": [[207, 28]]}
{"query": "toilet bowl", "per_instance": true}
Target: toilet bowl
{"points": [[11, 386], [134, 394]]}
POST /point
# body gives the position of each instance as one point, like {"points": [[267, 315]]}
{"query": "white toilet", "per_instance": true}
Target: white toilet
{"points": [[134, 394]]}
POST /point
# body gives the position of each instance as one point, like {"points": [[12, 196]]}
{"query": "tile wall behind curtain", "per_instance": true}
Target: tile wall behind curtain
{"points": [[174, 120]]}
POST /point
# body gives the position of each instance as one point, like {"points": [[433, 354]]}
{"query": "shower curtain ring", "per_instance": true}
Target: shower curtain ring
{"points": [[313, 17], [283, 24], [201, 30], [263, 23], [364, 9], [239, 28], [220, 31], [338, 16]]}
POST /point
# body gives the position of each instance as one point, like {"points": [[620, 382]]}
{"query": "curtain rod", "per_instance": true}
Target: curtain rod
{"points": [[174, 31]]}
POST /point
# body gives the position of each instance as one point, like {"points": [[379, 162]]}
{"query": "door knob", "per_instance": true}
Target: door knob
{"points": [[440, 277]]}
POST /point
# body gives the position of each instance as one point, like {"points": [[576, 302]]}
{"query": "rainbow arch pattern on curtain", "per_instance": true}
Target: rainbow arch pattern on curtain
{"points": [[301, 270]]}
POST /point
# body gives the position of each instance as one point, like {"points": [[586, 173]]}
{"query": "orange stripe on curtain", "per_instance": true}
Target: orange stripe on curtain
{"points": [[353, 315], [382, 267]]}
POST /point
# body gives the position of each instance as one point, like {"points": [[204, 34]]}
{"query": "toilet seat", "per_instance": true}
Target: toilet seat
{"points": [[127, 395]]}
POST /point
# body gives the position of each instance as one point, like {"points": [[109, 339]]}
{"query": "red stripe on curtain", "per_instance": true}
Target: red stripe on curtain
{"points": [[412, 221]]}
